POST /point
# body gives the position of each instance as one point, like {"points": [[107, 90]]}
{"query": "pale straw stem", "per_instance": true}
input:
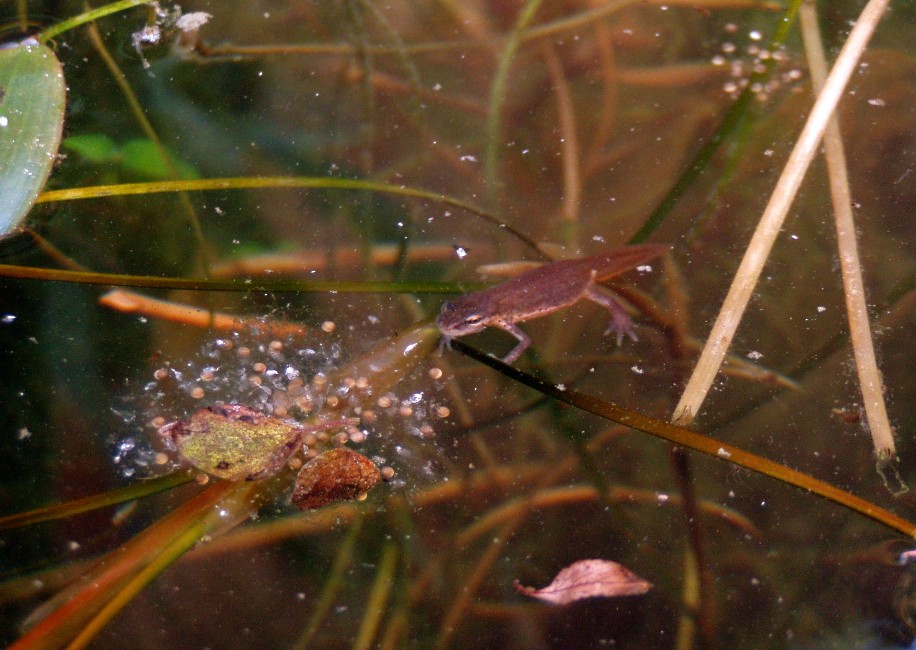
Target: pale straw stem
{"points": [[745, 280], [859, 329]]}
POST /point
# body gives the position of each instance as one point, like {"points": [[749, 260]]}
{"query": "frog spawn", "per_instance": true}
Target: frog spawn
{"points": [[246, 396]]}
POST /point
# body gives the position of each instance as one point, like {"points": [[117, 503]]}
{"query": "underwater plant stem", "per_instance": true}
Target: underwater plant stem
{"points": [[700, 599], [273, 182], [745, 280], [241, 285], [465, 592], [136, 108], [870, 381], [87, 17], [112, 583], [690, 603], [733, 122], [607, 116], [696, 441], [137, 583], [72, 608], [569, 145], [378, 597], [333, 584], [22, 15], [498, 91], [96, 501], [560, 497], [484, 565]]}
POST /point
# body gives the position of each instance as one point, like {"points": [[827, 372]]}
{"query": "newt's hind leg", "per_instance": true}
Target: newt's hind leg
{"points": [[620, 320]]}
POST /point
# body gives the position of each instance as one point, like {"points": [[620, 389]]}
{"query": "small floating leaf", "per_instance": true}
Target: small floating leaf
{"points": [[336, 475], [32, 99], [234, 442], [588, 579]]}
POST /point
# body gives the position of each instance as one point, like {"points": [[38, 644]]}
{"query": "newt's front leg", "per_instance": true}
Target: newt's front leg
{"points": [[523, 339]]}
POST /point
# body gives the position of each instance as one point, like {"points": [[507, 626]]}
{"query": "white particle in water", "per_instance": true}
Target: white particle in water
{"points": [[8, 318]]}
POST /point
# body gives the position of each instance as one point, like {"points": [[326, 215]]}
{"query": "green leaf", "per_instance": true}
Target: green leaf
{"points": [[143, 159], [32, 100], [93, 148]]}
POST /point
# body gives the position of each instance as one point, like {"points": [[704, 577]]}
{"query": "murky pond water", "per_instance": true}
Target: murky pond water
{"points": [[324, 176]]}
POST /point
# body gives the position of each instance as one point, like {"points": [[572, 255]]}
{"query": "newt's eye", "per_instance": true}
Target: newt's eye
{"points": [[473, 319]]}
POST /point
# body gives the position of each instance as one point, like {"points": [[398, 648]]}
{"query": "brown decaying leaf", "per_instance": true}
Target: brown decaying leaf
{"points": [[336, 475], [588, 579]]}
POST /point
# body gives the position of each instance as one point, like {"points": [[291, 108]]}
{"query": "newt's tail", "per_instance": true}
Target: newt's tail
{"points": [[623, 259]]}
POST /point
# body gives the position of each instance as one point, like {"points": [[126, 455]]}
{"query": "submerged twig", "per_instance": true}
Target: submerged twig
{"points": [[136, 303], [723, 331]]}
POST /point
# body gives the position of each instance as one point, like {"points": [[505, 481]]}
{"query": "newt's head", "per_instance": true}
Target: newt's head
{"points": [[457, 318]]}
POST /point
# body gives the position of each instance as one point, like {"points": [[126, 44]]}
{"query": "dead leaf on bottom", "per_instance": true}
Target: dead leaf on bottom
{"points": [[589, 579], [234, 442], [336, 475]]}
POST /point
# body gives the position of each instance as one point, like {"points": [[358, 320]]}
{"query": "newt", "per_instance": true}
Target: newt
{"points": [[544, 290]]}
